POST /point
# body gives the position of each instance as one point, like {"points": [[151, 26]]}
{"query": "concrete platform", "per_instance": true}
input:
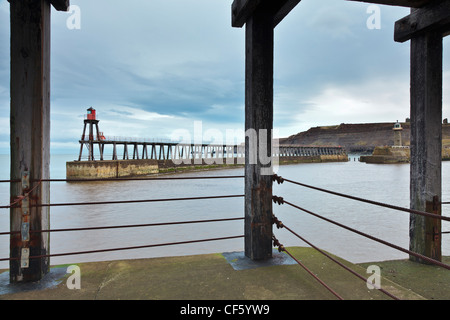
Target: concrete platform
{"points": [[227, 276]]}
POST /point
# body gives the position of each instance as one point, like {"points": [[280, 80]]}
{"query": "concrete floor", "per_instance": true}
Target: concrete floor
{"points": [[229, 276]]}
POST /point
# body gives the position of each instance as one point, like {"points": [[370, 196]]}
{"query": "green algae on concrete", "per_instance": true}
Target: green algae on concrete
{"points": [[211, 277], [430, 281]]}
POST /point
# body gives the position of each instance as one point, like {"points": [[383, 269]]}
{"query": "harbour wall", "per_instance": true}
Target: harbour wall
{"points": [[386, 155], [110, 168], [142, 167]]}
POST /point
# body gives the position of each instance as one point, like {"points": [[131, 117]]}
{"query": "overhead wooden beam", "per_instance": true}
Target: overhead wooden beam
{"points": [[400, 3], [242, 10], [60, 5], [283, 10], [433, 17]]}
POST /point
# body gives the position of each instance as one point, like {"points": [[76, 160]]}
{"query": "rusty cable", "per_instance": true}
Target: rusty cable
{"points": [[123, 226], [423, 213], [417, 255], [19, 199], [281, 248], [11, 181], [279, 224], [123, 248], [125, 201]]}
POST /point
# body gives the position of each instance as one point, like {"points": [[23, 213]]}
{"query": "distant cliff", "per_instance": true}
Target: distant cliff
{"points": [[363, 137]]}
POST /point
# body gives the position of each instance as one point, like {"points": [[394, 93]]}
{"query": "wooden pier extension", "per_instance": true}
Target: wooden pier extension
{"points": [[185, 152], [144, 158]]}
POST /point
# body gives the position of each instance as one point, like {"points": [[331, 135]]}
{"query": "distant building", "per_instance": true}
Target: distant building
{"points": [[397, 134]]}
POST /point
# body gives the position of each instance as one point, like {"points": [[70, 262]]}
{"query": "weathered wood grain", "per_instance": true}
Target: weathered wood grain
{"points": [[30, 128], [258, 115], [426, 142], [431, 18]]}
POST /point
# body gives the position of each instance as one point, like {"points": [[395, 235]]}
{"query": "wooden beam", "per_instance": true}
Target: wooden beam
{"points": [[243, 9], [258, 125], [30, 134], [426, 144], [433, 17], [60, 5], [283, 10], [400, 3]]}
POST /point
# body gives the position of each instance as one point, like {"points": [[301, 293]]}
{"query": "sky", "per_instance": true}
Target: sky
{"points": [[155, 68]]}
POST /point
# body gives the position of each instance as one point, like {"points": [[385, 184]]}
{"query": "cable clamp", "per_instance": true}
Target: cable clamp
{"points": [[276, 243], [277, 178], [278, 200], [277, 222]]}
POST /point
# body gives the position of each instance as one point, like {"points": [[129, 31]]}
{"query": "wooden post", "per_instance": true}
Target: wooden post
{"points": [[426, 27], [114, 155], [82, 141], [100, 145], [30, 134], [125, 151], [258, 115], [260, 18], [91, 142], [426, 143]]}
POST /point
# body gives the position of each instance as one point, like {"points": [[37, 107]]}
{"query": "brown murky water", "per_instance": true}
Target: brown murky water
{"points": [[384, 183]]}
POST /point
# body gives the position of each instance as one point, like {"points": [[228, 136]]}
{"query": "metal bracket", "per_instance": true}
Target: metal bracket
{"points": [[25, 206], [25, 258], [436, 209], [436, 204], [25, 180], [436, 234], [25, 231]]}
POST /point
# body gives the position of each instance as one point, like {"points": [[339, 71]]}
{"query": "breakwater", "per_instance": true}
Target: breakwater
{"points": [[132, 168], [142, 167], [386, 155]]}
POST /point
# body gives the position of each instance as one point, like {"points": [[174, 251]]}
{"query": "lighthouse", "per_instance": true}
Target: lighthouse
{"points": [[88, 141], [397, 134]]}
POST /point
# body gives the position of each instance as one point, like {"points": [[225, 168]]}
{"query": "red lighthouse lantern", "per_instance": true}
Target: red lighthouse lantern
{"points": [[91, 114]]}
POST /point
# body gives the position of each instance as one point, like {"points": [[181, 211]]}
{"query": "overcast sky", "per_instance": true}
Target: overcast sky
{"points": [[150, 67]]}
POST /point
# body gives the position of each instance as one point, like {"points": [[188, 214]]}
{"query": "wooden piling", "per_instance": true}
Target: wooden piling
{"points": [[30, 135], [426, 143], [258, 115]]}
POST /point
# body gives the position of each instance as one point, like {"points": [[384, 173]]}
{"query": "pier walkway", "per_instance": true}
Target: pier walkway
{"points": [[290, 274], [164, 150], [230, 276]]}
